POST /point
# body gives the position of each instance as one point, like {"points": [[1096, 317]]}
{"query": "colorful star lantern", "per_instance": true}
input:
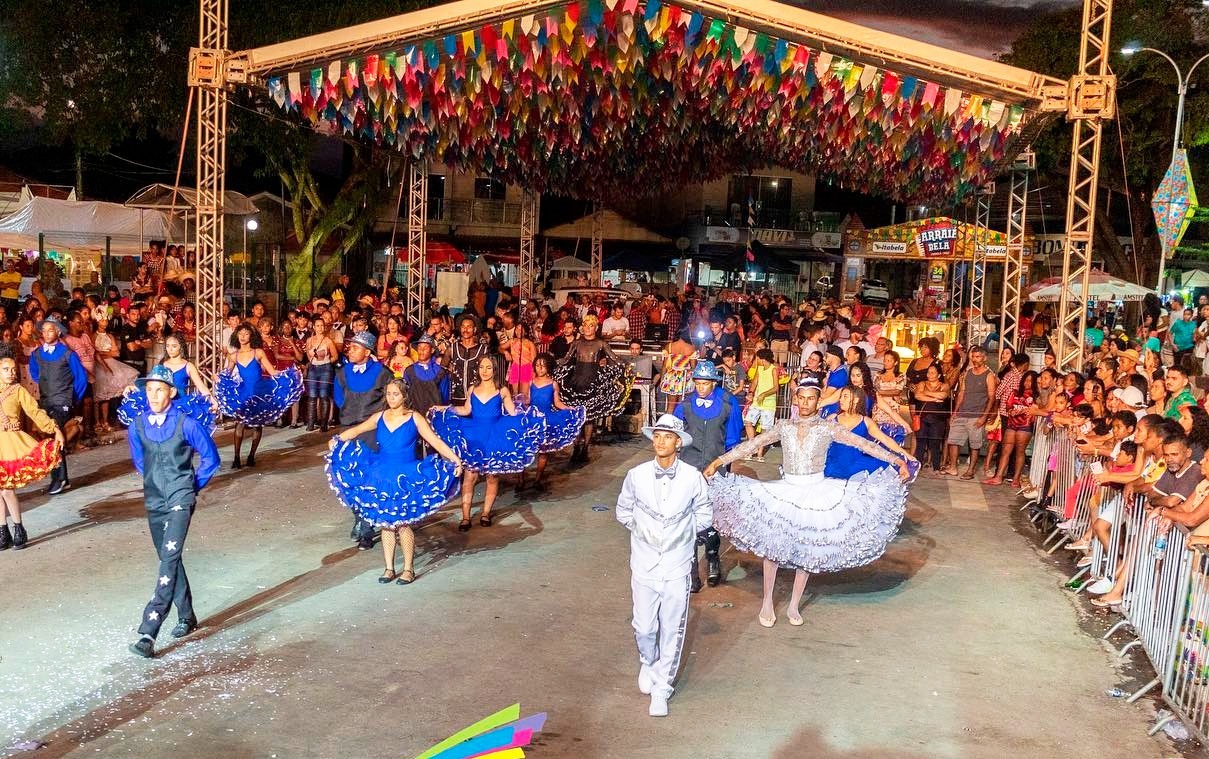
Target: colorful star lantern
{"points": [[500, 736], [1174, 202], [617, 98]]}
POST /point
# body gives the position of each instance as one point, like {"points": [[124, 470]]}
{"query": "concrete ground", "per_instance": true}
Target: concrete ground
{"points": [[958, 643]]}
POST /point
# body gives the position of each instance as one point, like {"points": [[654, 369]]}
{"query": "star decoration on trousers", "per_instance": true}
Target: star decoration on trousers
{"points": [[178, 507], [170, 545], [164, 580], [153, 616]]}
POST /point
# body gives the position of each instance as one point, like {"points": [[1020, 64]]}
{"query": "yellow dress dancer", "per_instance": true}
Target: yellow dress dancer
{"points": [[23, 459]]}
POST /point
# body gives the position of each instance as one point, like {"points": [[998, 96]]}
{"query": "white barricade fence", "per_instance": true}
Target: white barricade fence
{"points": [[1038, 472], [1164, 583], [1187, 688]]}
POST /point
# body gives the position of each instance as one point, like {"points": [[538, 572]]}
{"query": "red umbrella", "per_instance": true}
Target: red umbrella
{"points": [[443, 253], [436, 253]]}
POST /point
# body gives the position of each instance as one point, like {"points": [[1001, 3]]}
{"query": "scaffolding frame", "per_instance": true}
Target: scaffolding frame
{"points": [[417, 242], [209, 74], [527, 268], [597, 245], [1013, 262], [1091, 100], [978, 267]]}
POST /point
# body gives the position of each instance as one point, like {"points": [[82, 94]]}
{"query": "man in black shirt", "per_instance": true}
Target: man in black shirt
{"points": [[135, 338]]}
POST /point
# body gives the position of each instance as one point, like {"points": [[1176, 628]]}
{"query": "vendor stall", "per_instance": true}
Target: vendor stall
{"points": [[937, 253], [81, 236], [905, 334]]}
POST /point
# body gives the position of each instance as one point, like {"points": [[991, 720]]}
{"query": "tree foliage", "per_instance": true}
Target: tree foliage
{"points": [[84, 75], [1137, 146], [93, 73]]}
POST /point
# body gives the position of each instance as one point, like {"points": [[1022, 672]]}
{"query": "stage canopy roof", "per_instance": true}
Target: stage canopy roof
{"points": [[608, 99]]}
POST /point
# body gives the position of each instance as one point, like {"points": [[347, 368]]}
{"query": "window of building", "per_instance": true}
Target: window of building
{"points": [[767, 196], [486, 188], [436, 196]]}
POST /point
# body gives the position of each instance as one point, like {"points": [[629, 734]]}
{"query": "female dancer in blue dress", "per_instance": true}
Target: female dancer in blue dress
{"points": [[490, 435], [563, 422], [390, 488], [199, 405], [844, 461], [254, 400]]}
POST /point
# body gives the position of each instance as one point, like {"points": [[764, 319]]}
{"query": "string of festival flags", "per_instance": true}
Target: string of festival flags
{"points": [[606, 98]]}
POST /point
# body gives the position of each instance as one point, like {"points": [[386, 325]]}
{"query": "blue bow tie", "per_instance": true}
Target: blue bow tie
{"points": [[670, 472]]}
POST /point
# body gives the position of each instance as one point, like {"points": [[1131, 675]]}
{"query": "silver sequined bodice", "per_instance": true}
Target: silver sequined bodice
{"points": [[804, 444]]}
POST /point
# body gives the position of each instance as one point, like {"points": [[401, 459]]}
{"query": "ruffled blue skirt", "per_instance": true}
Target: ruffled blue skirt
{"points": [[505, 445], [265, 403], [562, 428], [385, 491], [192, 405]]}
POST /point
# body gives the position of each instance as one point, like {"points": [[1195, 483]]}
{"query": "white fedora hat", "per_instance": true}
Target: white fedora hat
{"points": [[669, 423]]}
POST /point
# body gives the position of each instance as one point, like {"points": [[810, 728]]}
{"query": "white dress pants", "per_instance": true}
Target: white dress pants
{"points": [[660, 619]]}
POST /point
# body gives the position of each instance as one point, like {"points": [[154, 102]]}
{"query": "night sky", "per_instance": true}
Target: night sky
{"points": [[981, 27]]}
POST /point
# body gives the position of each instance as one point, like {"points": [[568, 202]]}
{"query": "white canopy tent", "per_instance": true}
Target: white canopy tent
{"points": [[73, 225], [166, 198], [570, 264], [1190, 279], [1100, 289]]}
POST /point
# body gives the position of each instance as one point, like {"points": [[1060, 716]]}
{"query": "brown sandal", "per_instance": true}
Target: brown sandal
{"points": [[406, 577], [485, 520]]}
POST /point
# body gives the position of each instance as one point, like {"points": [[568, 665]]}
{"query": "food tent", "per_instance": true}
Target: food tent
{"points": [[76, 226]]}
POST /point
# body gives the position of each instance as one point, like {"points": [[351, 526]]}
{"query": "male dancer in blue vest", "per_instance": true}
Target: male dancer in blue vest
{"points": [[357, 391], [162, 444], [714, 420], [62, 381]]}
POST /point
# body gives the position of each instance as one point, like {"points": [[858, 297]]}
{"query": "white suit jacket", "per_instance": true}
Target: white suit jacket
{"points": [[663, 531]]}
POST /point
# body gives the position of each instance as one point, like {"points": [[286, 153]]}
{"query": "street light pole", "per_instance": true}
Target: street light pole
{"points": [[1182, 91], [251, 225]]}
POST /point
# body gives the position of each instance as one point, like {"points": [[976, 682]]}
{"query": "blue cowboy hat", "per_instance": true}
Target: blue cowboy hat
{"points": [[57, 324], [706, 371], [158, 373]]}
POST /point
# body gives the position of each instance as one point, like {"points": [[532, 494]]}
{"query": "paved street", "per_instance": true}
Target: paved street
{"points": [[958, 643]]}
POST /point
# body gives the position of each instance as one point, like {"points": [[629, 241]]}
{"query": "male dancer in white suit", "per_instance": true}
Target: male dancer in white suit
{"points": [[664, 504]]}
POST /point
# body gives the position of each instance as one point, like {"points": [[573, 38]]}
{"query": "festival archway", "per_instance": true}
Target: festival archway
{"points": [[597, 98]]}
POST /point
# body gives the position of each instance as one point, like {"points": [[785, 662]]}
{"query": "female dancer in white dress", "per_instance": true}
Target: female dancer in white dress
{"points": [[805, 520]]}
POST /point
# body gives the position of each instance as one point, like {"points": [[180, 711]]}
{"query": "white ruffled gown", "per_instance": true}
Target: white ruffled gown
{"points": [[806, 520]]}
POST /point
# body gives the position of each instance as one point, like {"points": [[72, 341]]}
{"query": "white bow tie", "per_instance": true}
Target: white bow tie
{"points": [[157, 419], [359, 368], [705, 402]]}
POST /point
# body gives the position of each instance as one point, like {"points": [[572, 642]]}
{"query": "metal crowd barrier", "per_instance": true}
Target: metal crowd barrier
{"points": [[1165, 603]]}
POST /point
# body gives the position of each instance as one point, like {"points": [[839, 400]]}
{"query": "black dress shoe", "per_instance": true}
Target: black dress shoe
{"points": [[58, 487], [19, 537], [144, 647], [184, 627], [6, 538], [364, 544]]}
